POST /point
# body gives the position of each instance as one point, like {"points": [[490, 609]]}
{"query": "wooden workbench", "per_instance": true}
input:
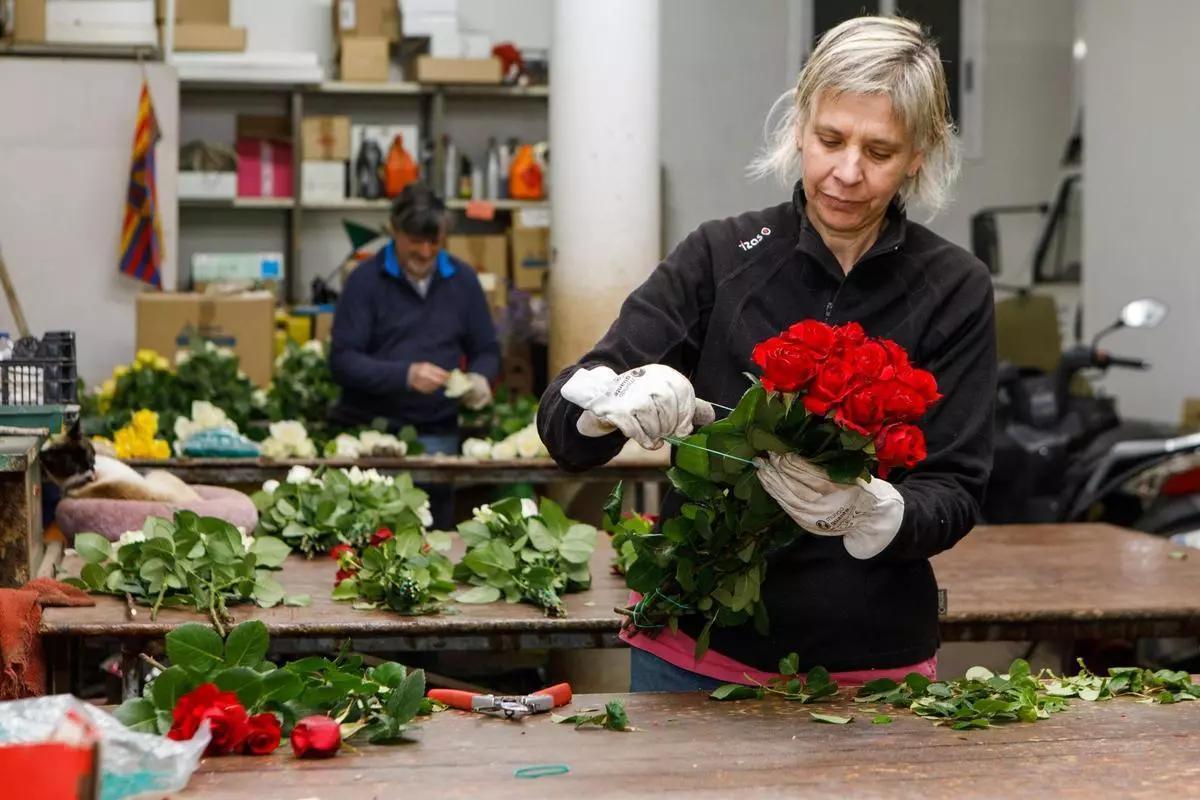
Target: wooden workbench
{"points": [[453, 470], [1004, 583], [689, 746]]}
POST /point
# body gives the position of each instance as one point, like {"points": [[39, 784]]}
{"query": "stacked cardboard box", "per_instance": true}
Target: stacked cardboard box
{"points": [[530, 249], [264, 150], [169, 321], [365, 31], [325, 148], [203, 25]]}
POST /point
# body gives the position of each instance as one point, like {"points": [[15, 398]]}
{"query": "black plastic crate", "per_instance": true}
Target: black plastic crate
{"points": [[40, 373]]}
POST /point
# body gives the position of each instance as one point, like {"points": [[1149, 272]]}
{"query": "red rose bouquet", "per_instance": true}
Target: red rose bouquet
{"points": [[844, 401]]}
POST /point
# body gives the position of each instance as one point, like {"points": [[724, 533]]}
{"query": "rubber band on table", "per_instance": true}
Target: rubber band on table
{"points": [[541, 771]]}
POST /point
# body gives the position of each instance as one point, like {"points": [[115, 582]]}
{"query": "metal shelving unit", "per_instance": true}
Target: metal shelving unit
{"points": [[433, 98]]}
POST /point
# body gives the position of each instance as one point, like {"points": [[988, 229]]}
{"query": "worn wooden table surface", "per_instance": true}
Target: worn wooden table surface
{"points": [[453, 470], [1003, 583], [689, 746]]}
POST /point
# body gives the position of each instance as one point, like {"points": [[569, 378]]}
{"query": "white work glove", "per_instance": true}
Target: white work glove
{"points": [[469, 388], [645, 404], [866, 515]]}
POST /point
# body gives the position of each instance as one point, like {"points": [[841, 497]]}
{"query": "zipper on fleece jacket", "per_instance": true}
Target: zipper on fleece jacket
{"points": [[842, 282]]}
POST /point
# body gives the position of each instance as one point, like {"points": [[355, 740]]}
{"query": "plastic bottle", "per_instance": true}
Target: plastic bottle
{"points": [[6, 346], [525, 182], [492, 171], [366, 170], [450, 167], [400, 169], [464, 179]]}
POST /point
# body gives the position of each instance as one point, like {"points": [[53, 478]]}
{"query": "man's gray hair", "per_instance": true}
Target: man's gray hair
{"points": [[873, 55]]}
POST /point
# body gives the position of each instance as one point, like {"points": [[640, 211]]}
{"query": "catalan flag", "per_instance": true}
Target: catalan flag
{"points": [[141, 235]]}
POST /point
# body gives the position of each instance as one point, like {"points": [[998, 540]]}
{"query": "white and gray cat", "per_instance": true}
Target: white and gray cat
{"points": [[71, 461]]}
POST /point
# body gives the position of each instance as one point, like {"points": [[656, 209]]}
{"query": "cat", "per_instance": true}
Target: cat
{"points": [[71, 461]]}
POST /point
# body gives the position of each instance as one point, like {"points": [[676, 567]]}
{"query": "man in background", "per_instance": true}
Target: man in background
{"points": [[405, 319]]}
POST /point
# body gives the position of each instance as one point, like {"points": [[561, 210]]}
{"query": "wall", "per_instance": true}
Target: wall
{"points": [[65, 147], [1140, 199]]}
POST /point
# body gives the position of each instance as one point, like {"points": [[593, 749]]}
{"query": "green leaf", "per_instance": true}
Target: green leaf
{"points": [[552, 514], [789, 664], [197, 648], [438, 541], [242, 681], [831, 719], [389, 674], [540, 536], [693, 487], [612, 506], [94, 576], [405, 701], [138, 715], [881, 719], [270, 551], [763, 440], [346, 590], [917, 682], [690, 458], [280, 686], [246, 644], [170, 685], [267, 591], [92, 547], [480, 594], [578, 544], [298, 600], [981, 674], [735, 691]]}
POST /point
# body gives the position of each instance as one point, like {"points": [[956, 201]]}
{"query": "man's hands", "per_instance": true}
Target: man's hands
{"points": [[867, 515], [478, 393], [645, 404], [426, 378]]}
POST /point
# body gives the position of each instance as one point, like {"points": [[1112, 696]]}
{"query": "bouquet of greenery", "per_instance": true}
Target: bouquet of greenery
{"points": [[519, 550], [303, 387], [405, 572], [200, 562], [377, 702], [314, 511], [841, 400]]}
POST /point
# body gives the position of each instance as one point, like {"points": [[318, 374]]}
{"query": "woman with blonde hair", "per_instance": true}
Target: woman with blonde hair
{"points": [[867, 133]]}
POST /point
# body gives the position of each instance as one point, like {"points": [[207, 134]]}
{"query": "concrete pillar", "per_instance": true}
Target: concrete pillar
{"points": [[604, 173]]}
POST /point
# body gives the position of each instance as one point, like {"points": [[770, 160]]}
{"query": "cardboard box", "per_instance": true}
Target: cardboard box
{"points": [[226, 267], [457, 70], [264, 168], [29, 21], [322, 181], [360, 18], [364, 58], [530, 249], [207, 185], [516, 368], [167, 322], [488, 256], [261, 126], [121, 22], [212, 12], [326, 138], [201, 36]]}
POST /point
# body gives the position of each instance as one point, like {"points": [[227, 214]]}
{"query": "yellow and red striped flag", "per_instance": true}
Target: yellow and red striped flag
{"points": [[141, 234]]}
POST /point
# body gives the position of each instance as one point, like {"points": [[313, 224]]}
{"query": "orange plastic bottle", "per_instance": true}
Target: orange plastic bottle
{"points": [[399, 170], [525, 177]]}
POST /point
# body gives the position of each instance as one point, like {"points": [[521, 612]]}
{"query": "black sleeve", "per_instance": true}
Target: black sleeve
{"points": [[661, 322], [943, 494], [480, 345], [350, 363]]}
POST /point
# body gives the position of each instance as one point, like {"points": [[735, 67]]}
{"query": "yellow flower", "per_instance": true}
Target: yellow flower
{"points": [[159, 449], [145, 423], [108, 388], [145, 357], [119, 371], [161, 363]]}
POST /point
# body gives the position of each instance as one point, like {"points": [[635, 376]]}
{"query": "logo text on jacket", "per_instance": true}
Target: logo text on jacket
{"points": [[764, 233]]}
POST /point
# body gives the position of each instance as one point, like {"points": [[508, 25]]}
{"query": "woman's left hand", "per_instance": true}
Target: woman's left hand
{"points": [[866, 515]]}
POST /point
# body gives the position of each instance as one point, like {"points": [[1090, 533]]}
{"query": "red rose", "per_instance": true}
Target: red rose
{"points": [[787, 367], [336, 552], [923, 383], [380, 536], [862, 411], [870, 359], [317, 736], [343, 574], [850, 335], [834, 380], [899, 446], [264, 734], [901, 403], [896, 354], [226, 718], [188, 710], [816, 336]]}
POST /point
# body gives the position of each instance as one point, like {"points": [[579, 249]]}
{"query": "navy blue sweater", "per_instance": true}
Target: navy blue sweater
{"points": [[382, 325]]}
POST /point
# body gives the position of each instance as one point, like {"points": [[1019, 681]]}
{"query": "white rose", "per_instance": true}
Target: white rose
{"points": [[259, 398], [477, 448], [425, 514], [504, 451], [280, 359], [247, 539], [457, 383], [356, 476], [346, 446], [529, 508], [270, 486], [314, 346], [130, 537], [305, 449], [206, 416], [290, 432], [209, 347], [299, 474], [373, 476], [529, 444], [182, 357], [226, 352], [483, 514], [273, 449], [184, 428]]}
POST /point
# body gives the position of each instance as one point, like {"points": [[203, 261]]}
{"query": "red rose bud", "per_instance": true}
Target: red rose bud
{"points": [[834, 381], [317, 736], [870, 360], [380, 536], [787, 367], [899, 446], [896, 354], [923, 383], [343, 574], [901, 403], [850, 335], [816, 336], [264, 734], [227, 723], [336, 552], [862, 411]]}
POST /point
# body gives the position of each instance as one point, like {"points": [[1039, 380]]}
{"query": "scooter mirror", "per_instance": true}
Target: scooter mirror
{"points": [[1144, 313]]}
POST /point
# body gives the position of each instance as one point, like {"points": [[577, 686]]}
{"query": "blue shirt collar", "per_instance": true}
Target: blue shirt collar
{"points": [[391, 264]]}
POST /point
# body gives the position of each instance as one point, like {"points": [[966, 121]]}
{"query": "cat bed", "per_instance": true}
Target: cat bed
{"points": [[111, 518]]}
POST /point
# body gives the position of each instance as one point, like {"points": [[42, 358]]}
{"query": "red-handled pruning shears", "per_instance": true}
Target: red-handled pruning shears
{"points": [[510, 706]]}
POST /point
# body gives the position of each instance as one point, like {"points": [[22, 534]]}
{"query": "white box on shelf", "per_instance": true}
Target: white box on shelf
{"points": [[128, 22], [382, 135], [322, 181], [207, 185], [446, 45], [415, 8], [476, 45], [220, 267], [430, 25]]}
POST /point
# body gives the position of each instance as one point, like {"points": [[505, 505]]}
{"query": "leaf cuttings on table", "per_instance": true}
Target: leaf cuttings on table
{"points": [[789, 684], [612, 717]]}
